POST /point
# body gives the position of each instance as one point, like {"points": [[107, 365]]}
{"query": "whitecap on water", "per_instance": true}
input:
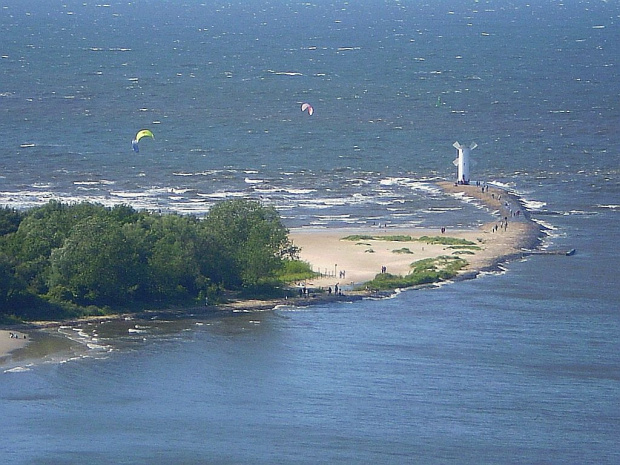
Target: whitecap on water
{"points": [[18, 369], [221, 194], [533, 205], [300, 191]]}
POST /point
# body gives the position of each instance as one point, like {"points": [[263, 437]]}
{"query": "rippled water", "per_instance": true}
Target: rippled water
{"points": [[518, 367]]}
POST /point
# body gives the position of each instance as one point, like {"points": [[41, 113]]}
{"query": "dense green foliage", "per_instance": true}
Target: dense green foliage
{"points": [[63, 257], [426, 271]]}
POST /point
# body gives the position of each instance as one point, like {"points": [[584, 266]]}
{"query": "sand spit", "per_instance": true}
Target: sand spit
{"points": [[350, 263]]}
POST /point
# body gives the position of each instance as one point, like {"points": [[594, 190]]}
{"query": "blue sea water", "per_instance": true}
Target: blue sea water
{"points": [[517, 367]]}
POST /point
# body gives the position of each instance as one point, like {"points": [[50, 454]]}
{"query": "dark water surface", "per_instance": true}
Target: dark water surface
{"points": [[518, 367]]}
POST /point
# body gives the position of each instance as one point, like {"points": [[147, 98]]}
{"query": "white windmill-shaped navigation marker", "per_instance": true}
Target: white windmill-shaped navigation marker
{"points": [[462, 161]]}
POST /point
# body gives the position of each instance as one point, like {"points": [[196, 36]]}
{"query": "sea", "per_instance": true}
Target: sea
{"points": [[518, 366]]}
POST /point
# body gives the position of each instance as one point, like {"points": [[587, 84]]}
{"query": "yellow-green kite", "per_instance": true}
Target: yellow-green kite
{"points": [[142, 133]]}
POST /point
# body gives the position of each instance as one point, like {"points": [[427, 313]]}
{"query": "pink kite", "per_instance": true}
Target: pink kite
{"points": [[307, 106]]}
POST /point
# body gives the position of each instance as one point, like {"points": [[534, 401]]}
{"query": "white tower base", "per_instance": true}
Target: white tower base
{"points": [[462, 161]]}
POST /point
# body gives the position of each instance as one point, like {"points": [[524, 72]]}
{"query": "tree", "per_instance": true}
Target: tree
{"points": [[57, 255], [42, 230], [9, 220], [7, 281], [173, 262], [250, 236], [98, 264]]}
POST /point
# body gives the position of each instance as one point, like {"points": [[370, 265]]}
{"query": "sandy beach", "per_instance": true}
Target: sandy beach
{"points": [[346, 262], [10, 341]]}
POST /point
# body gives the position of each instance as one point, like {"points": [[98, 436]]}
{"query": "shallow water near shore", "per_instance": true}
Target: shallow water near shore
{"points": [[447, 373], [504, 368], [521, 366]]}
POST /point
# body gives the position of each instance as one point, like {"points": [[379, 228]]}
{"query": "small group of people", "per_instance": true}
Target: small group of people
{"points": [[503, 224], [383, 269], [512, 213], [337, 290], [16, 336]]}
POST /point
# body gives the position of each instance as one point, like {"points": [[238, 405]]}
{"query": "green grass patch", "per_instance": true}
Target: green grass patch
{"points": [[362, 237], [465, 247], [426, 271], [396, 238], [296, 270], [358, 237], [445, 240], [404, 250]]}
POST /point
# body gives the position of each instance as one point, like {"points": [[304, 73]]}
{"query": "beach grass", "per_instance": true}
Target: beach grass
{"points": [[425, 271], [405, 250], [296, 270], [446, 240], [442, 240], [389, 238]]}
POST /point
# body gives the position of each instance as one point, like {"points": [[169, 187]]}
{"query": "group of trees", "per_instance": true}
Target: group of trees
{"points": [[61, 256]]}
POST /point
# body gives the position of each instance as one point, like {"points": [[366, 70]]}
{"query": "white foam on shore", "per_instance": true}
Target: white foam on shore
{"points": [[425, 187], [89, 341], [546, 226], [19, 369]]}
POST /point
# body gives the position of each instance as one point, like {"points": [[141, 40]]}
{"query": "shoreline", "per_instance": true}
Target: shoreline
{"points": [[10, 341], [505, 205], [509, 237], [349, 263]]}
